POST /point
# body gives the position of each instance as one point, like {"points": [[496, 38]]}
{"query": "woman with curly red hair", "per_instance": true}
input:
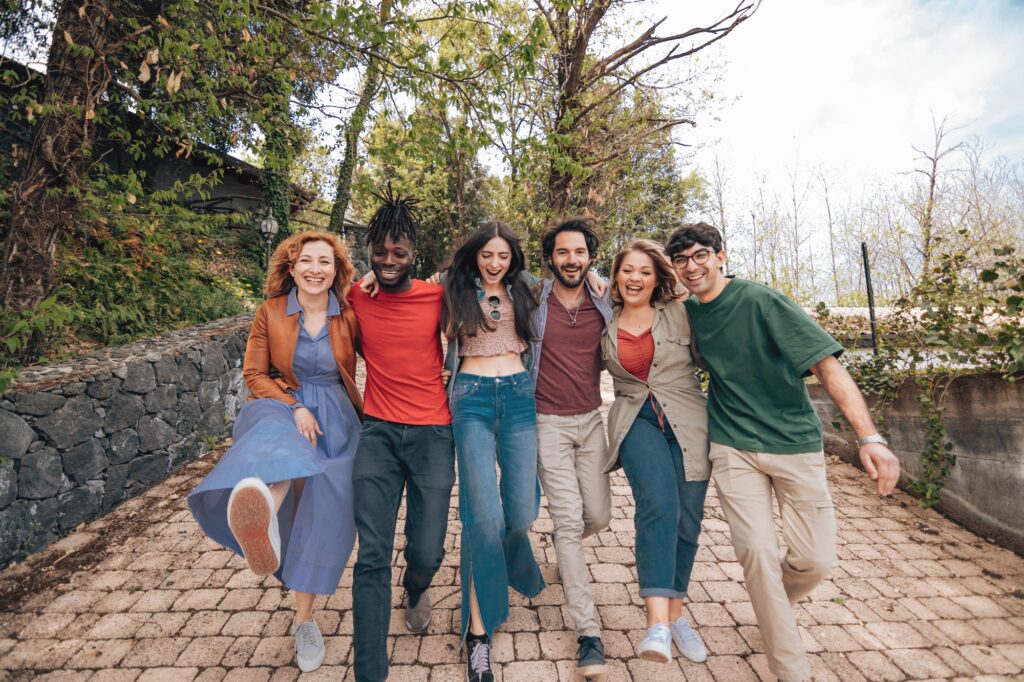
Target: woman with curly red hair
{"points": [[282, 495]]}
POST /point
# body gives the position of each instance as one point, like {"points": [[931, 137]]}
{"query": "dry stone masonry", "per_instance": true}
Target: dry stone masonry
{"points": [[78, 437]]}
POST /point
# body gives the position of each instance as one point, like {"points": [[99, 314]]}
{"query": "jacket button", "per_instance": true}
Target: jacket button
{"points": [[654, 365]]}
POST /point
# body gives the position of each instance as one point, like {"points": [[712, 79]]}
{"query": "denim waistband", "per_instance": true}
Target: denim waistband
{"points": [[481, 379]]}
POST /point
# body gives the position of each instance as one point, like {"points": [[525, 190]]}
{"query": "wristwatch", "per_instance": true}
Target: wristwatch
{"points": [[873, 438]]}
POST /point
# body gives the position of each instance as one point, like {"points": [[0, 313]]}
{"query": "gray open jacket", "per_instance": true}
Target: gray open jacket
{"points": [[672, 382]]}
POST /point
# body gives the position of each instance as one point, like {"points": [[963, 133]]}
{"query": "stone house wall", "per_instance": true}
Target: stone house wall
{"points": [[78, 437]]}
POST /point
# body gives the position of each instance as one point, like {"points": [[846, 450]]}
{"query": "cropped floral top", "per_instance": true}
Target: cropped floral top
{"points": [[503, 339]]}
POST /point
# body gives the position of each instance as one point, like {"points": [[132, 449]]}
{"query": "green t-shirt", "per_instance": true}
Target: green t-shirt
{"points": [[758, 346]]}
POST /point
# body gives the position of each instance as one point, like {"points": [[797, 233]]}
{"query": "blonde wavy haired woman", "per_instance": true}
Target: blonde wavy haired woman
{"points": [[282, 495]]}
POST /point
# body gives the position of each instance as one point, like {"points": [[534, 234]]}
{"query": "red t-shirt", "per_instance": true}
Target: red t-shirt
{"points": [[636, 353], [401, 340], [569, 376]]}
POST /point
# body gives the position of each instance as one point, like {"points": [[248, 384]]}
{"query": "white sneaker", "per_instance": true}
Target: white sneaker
{"points": [[253, 522], [687, 641], [309, 646], [657, 645]]}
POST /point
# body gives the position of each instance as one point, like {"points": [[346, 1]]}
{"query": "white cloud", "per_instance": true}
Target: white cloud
{"points": [[851, 85]]}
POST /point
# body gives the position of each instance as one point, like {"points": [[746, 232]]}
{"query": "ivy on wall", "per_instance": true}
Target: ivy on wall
{"points": [[966, 316]]}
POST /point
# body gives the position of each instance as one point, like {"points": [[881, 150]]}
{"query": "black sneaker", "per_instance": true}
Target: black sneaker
{"points": [[478, 663], [590, 656]]}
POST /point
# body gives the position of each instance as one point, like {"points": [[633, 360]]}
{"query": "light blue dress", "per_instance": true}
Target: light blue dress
{"points": [[317, 536]]}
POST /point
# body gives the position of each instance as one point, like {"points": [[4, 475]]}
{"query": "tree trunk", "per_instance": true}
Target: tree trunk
{"points": [[278, 159], [371, 82], [43, 202]]}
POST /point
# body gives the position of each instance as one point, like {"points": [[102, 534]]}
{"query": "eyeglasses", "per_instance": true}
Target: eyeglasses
{"points": [[699, 257], [495, 314]]}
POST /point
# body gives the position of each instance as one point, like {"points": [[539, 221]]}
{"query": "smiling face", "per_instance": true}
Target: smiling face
{"points": [[314, 270], [570, 259], [704, 280], [636, 278], [392, 262], [493, 260]]}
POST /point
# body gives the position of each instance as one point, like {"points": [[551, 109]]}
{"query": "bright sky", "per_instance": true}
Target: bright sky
{"points": [[850, 85]]}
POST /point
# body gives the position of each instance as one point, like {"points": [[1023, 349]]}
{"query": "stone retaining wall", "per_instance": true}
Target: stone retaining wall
{"points": [[984, 419], [78, 437]]}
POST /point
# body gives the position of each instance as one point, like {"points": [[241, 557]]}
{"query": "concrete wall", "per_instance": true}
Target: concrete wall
{"points": [[78, 437], [984, 419]]}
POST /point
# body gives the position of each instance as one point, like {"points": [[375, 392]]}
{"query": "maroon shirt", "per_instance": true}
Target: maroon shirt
{"points": [[569, 377]]}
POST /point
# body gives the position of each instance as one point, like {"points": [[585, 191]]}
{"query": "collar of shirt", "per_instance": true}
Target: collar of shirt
{"points": [[333, 308]]}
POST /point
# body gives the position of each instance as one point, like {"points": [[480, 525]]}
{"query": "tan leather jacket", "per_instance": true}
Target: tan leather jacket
{"points": [[272, 341], [672, 382]]}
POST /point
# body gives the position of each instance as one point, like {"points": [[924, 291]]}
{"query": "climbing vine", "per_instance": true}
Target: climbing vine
{"points": [[966, 316]]}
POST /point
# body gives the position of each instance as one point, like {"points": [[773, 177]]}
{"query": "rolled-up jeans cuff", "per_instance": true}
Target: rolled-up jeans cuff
{"points": [[661, 592]]}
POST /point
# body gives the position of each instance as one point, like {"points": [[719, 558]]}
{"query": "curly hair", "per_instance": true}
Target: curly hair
{"points": [[665, 286], [279, 277], [582, 224]]}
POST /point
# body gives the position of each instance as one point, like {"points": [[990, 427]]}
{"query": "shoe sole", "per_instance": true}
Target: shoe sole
{"points": [[691, 658], [655, 656], [589, 671], [249, 521]]}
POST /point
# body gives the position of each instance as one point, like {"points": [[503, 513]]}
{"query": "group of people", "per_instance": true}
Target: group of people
{"points": [[515, 407]]}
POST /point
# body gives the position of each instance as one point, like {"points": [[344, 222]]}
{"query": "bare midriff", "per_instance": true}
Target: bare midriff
{"points": [[492, 365]]}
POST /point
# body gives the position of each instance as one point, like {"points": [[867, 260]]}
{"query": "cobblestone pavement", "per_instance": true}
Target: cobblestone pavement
{"points": [[141, 594]]}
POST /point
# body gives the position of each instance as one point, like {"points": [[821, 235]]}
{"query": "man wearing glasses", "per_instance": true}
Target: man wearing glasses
{"points": [[758, 347]]}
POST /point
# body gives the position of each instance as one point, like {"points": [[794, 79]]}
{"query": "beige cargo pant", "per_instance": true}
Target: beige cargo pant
{"points": [[570, 457], [745, 481]]}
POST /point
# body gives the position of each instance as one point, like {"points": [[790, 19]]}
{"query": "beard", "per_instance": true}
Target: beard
{"points": [[566, 282]]}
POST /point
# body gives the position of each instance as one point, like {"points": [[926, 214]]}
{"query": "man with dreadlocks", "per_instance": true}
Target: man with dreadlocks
{"points": [[406, 439]]}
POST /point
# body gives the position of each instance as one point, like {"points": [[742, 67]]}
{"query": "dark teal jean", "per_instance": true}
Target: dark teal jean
{"points": [[669, 508], [494, 420], [393, 457]]}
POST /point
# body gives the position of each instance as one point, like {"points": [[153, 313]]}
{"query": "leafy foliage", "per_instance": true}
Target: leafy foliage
{"points": [[963, 318]]}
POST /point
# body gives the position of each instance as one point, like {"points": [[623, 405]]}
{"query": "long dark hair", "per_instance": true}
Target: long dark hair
{"points": [[462, 311]]}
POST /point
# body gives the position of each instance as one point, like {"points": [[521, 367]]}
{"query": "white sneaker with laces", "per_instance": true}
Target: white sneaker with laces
{"points": [[687, 641], [253, 521], [657, 645], [309, 646]]}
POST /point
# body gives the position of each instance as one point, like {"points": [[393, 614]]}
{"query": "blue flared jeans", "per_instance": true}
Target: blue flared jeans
{"points": [[669, 508], [494, 421]]}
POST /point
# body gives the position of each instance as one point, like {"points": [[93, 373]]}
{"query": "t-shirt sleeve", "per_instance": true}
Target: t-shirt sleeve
{"points": [[797, 337]]}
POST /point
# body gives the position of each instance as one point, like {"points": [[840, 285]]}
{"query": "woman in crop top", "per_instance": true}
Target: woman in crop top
{"points": [[487, 310], [658, 433]]}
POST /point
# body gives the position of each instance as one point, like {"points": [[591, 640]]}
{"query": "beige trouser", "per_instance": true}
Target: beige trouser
{"points": [[571, 452], [745, 481]]}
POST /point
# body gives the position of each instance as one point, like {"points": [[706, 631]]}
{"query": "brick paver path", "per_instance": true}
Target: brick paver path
{"points": [[142, 595]]}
